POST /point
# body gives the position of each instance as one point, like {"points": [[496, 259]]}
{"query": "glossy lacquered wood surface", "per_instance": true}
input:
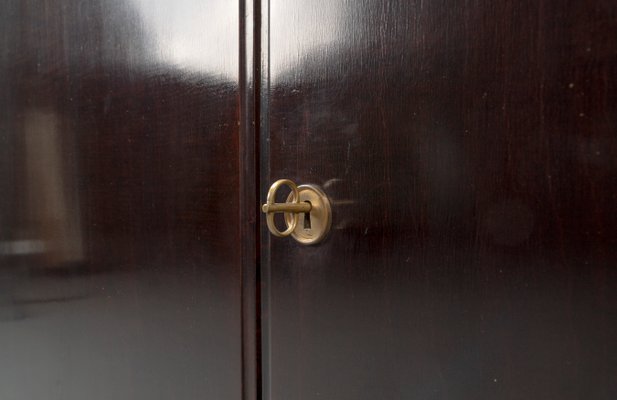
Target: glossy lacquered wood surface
{"points": [[469, 152], [120, 272]]}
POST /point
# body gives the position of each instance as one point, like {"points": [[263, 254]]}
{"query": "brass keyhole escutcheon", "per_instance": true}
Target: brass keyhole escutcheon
{"points": [[307, 212]]}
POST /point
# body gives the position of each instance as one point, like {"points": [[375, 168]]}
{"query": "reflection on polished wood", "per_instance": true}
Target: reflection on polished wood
{"points": [[469, 155], [119, 177]]}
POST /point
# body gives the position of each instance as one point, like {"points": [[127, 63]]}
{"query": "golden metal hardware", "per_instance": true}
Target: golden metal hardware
{"points": [[309, 200], [270, 208], [286, 207]]}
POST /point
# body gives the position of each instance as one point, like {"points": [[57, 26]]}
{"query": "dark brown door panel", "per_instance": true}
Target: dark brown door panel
{"points": [[468, 150], [119, 277]]}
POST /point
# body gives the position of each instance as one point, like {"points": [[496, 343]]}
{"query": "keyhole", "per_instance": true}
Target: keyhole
{"points": [[307, 219]]}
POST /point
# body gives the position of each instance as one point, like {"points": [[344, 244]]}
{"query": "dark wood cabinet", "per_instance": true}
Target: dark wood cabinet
{"points": [[469, 153], [468, 150], [119, 275]]}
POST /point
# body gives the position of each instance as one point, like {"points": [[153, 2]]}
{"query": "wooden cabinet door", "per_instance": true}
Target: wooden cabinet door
{"points": [[119, 200], [468, 149]]}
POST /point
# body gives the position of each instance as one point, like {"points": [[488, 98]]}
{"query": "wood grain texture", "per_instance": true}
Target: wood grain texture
{"points": [[143, 123], [469, 153]]}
